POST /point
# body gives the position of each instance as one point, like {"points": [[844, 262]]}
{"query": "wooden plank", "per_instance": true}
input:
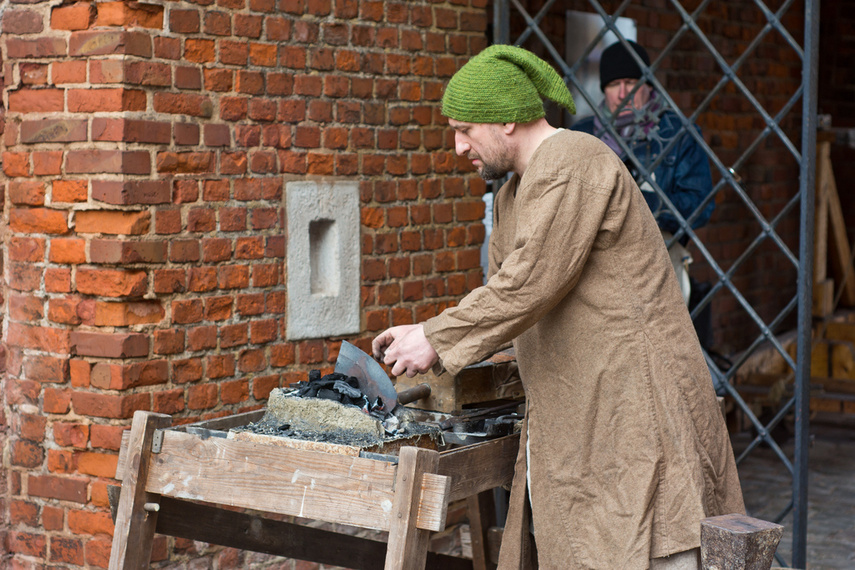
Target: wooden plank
{"points": [[823, 298], [841, 260], [480, 467], [482, 515], [820, 230], [307, 445], [228, 422], [433, 503], [322, 486], [194, 521], [408, 545], [132, 538]]}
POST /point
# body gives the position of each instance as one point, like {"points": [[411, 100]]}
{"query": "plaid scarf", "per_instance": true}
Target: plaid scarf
{"points": [[638, 126]]}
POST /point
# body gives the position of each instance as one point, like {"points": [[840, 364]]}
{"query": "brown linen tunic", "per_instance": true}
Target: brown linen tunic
{"points": [[629, 450]]}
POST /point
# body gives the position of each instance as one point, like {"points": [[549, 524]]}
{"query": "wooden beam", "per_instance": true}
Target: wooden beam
{"points": [[135, 524], [195, 521], [482, 516], [738, 541], [480, 467], [317, 485], [408, 544], [841, 260]]}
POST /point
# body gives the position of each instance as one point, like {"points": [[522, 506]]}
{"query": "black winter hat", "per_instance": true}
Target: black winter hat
{"points": [[617, 63]]}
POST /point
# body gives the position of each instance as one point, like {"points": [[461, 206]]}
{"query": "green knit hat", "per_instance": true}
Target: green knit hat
{"points": [[504, 84]]}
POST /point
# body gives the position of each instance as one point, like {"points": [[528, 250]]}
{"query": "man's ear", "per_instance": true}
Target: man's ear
{"points": [[509, 128]]}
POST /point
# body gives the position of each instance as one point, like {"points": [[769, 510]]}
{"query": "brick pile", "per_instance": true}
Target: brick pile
{"points": [[146, 151]]}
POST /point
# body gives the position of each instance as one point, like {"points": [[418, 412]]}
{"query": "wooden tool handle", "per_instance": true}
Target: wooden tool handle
{"points": [[414, 393]]}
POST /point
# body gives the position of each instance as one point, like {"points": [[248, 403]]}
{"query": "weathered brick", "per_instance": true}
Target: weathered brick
{"points": [[28, 544], [132, 191], [112, 222], [112, 282], [220, 365], [186, 134], [36, 100], [127, 314], [21, 512], [187, 370], [199, 50], [66, 550], [202, 397], [109, 406], [234, 392], [34, 73], [39, 221], [109, 345], [187, 77], [47, 163], [218, 308], [114, 251], [169, 280], [201, 338], [168, 402], [68, 72], [76, 16], [106, 71], [109, 42], [202, 279], [189, 311], [96, 100], [106, 437], [48, 369], [22, 21], [109, 161], [25, 308], [168, 341], [27, 192], [184, 162], [133, 14], [62, 488], [53, 130], [67, 434], [17, 48]]}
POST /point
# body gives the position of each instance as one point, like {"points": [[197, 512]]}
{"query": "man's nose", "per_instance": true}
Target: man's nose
{"points": [[461, 147]]}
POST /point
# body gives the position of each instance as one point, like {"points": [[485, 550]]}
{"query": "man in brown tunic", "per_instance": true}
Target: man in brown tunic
{"points": [[625, 449]]}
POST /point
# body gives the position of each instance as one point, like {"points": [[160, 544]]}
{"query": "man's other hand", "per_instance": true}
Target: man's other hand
{"points": [[405, 349]]}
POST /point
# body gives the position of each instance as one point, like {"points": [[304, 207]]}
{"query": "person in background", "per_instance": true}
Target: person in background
{"points": [[624, 449], [646, 124]]}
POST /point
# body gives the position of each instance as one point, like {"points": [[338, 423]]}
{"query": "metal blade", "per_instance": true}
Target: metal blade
{"points": [[373, 380]]}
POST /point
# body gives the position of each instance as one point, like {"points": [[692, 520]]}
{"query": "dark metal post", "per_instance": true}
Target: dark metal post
{"points": [[501, 22], [805, 294]]}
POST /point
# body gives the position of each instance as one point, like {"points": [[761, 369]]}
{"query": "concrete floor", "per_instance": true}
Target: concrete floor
{"points": [[767, 488]]}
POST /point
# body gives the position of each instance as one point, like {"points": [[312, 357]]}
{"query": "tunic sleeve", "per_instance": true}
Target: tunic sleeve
{"points": [[560, 209]]}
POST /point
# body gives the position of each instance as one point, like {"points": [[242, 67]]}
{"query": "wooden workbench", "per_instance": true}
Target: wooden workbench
{"points": [[183, 482]]}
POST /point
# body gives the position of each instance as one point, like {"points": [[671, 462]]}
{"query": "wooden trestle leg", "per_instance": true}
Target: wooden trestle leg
{"points": [[136, 516]]}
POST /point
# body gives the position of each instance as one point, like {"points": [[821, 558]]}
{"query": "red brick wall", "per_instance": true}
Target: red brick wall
{"points": [[770, 175], [145, 154]]}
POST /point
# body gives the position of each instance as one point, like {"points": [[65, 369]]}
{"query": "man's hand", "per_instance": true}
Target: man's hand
{"points": [[405, 349]]}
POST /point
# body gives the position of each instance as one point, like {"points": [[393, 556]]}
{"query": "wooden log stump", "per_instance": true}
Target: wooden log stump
{"points": [[738, 541]]}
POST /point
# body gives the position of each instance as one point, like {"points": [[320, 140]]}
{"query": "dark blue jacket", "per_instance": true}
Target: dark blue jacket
{"points": [[684, 174]]}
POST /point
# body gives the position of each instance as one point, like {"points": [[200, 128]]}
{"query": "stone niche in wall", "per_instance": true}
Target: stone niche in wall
{"points": [[323, 261]]}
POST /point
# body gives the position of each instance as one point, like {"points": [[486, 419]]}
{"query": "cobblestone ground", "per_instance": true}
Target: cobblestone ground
{"points": [[767, 488]]}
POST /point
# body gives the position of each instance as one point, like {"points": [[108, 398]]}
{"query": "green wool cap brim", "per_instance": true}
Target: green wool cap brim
{"points": [[504, 84]]}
